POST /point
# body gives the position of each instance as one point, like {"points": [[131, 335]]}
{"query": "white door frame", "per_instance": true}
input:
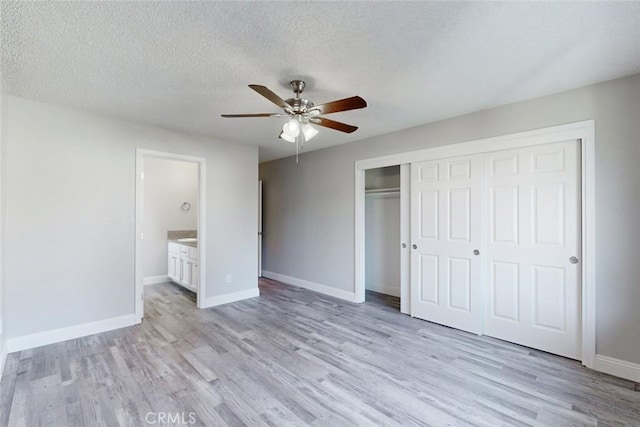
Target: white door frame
{"points": [[405, 238], [260, 228], [583, 131], [141, 154]]}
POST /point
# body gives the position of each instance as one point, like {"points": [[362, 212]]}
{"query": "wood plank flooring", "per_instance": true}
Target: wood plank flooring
{"points": [[382, 300], [293, 358]]}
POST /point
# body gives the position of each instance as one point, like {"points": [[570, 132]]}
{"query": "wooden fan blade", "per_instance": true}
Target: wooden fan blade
{"points": [[346, 104], [342, 127], [267, 93], [234, 116]]}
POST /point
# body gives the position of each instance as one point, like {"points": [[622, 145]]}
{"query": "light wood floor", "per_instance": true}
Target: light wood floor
{"points": [[294, 357]]}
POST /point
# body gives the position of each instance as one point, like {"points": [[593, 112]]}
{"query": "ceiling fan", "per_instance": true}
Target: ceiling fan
{"points": [[303, 113]]}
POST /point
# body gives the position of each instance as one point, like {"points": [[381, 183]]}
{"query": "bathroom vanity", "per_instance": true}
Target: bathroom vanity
{"points": [[183, 262]]}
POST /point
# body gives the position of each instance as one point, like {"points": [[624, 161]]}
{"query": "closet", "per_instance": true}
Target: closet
{"points": [[495, 241], [382, 231]]}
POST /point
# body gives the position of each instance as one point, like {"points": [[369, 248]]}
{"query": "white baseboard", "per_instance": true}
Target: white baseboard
{"points": [[231, 297], [618, 368], [153, 280], [316, 287], [53, 336], [3, 355]]}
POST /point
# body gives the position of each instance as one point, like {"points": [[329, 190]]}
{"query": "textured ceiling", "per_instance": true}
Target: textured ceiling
{"points": [[181, 64]]}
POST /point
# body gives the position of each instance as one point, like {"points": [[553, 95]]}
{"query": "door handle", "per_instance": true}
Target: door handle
{"points": [[476, 252], [573, 260], [404, 245], [414, 246]]}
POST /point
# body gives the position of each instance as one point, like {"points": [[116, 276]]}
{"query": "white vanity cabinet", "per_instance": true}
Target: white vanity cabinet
{"points": [[173, 268], [182, 265]]}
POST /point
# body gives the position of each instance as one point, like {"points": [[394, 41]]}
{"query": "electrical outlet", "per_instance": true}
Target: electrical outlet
{"points": [[227, 278]]}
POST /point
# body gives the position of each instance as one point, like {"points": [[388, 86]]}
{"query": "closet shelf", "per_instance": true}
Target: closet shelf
{"points": [[382, 191]]}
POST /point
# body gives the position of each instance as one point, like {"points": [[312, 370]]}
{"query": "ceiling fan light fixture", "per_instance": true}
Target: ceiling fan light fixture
{"points": [[291, 128], [287, 137], [309, 131]]}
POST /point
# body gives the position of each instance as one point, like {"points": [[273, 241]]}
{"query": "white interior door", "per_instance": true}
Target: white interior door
{"points": [[445, 232], [532, 210]]}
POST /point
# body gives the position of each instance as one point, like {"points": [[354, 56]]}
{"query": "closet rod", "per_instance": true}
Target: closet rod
{"points": [[382, 191]]}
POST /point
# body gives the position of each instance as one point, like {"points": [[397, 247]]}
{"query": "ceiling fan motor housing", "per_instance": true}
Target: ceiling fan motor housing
{"points": [[299, 105], [297, 86]]}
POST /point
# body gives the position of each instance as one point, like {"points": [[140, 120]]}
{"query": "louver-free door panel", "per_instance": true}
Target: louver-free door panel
{"points": [[532, 280], [445, 228]]}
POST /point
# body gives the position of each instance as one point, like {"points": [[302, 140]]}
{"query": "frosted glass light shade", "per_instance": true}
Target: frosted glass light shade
{"points": [[291, 128], [309, 132], [287, 137]]}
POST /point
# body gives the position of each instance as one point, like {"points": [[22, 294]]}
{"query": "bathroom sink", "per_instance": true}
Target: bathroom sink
{"points": [[187, 239]]}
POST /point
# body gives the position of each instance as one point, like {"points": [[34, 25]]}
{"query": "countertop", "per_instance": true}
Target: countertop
{"points": [[192, 244]]}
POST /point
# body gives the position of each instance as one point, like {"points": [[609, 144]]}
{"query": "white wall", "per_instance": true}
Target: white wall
{"points": [[382, 244], [309, 211], [69, 203], [167, 185]]}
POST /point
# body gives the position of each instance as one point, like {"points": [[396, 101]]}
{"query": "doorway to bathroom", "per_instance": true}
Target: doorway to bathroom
{"points": [[169, 227]]}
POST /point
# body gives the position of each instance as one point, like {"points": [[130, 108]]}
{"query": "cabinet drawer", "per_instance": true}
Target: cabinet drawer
{"points": [[193, 253], [174, 248], [184, 250]]}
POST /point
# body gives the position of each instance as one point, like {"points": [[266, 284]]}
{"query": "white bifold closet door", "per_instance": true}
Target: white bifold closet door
{"points": [[445, 228], [532, 277], [495, 245]]}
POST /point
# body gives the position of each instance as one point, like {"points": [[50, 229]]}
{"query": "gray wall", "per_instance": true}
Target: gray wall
{"points": [[309, 207], [69, 204]]}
